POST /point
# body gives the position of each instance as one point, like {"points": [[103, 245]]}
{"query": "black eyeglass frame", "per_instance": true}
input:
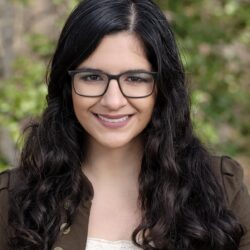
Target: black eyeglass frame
{"points": [[111, 77]]}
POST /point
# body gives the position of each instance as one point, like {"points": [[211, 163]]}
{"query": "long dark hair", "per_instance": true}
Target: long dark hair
{"points": [[182, 204]]}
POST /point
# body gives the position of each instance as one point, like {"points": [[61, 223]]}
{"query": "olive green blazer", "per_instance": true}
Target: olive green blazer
{"points": [[228, 172]]}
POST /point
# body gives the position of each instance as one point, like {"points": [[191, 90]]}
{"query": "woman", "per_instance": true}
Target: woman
{"points": [[114, 162]]}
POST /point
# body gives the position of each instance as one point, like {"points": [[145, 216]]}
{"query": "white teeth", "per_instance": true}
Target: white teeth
{"points": [[122, 119]]}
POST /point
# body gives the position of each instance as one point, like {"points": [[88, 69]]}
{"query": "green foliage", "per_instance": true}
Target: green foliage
{"points": [[41, 45], [23, 95], [213, 36]]}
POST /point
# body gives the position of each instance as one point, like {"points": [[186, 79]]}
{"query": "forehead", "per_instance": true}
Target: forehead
{"points": [[117, 53]]}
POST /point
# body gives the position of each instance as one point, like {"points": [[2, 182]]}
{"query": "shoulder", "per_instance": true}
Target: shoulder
{"points": [[4, 180], [4, 188], [229, 174], [8, 179], [4, 206]]}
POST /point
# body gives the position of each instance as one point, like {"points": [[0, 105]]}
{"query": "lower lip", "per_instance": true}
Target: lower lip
{"points": [[113, 124]]}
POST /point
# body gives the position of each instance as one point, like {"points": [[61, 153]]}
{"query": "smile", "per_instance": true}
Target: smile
{"points": [[113, 121]]}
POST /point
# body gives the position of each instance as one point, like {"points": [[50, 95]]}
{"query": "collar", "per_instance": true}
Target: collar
{"points": [[75, 237]]}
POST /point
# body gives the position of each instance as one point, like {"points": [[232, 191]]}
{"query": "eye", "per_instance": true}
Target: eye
{"points": [[90, 77], [134, 79], [138, 78]]}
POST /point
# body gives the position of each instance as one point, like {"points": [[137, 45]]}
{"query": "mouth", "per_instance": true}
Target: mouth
{"points": [[113, 120]]}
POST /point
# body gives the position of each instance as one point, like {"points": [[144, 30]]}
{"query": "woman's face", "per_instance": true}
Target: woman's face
{"points": [[113, 120]]}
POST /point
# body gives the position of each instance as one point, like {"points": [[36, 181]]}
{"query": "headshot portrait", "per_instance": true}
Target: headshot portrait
{"points": [[118, 157]]}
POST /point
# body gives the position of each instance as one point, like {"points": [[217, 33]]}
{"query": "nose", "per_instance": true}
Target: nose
{"points": [[113, 99]]}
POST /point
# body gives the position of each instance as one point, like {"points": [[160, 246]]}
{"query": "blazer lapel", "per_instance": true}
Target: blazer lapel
{"points": [[76, 236]]}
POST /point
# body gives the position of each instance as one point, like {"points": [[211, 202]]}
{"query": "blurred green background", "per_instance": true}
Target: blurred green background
{"points": [[214, 41]]}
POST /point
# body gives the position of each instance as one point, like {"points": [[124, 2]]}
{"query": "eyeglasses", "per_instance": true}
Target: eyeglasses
{"points": [[95, 83]]}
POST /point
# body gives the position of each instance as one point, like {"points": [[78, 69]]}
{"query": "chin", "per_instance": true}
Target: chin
{"points": [[114, 144], [114, 141]]}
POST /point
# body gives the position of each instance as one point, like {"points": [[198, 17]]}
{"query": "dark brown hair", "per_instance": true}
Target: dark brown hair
{"points": [[182, 203]]}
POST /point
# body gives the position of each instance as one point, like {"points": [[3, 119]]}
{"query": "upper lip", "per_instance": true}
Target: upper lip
{"points": [[113, 116]]}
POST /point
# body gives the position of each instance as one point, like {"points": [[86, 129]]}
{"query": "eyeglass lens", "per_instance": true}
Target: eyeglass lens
{"points": [[132, 84]]}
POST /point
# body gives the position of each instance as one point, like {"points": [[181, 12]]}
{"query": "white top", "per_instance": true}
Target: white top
{"points": [[101, 244]]}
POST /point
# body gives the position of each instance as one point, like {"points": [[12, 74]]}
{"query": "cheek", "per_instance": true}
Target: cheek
{"points": [[148, 115], [150, 108], [81, 106], [78, 106], [145, 108]]}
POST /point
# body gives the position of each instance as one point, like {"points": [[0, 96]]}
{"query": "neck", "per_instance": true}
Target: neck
{"points": [[114, 165]]}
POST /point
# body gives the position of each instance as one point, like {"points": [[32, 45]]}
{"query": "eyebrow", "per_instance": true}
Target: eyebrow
{"points": [[101, 71], [90, 69]]}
